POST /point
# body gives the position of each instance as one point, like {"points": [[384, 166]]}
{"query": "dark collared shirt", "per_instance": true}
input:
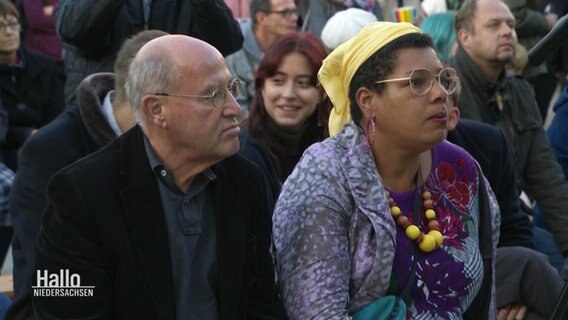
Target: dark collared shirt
{"points": [[192, 237]]}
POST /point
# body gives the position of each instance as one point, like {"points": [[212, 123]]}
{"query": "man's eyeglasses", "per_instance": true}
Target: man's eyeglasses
{"points": [[421, 80], [218, 97], [13, 25], [285, 13]]}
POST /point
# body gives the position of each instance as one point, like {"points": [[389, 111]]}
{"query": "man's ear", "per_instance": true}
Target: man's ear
{"points": [[260, 16], [153, 110], [453, 117], [463, 37], [365, 100]]}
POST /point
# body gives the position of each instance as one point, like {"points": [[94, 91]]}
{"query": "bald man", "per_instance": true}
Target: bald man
{"points": [[166, 222]]}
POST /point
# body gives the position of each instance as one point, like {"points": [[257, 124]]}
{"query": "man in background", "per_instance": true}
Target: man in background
{"points": [[270, 19], [486, 35]]}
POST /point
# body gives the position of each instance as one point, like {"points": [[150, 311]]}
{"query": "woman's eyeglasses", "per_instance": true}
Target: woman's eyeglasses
{"points": [[285, 13], [421, 80], [218, 97], [13, 25]]}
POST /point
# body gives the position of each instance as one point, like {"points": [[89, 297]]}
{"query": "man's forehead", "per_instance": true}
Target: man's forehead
{"points": [[282, 4], [174, 42], [493, 10]]}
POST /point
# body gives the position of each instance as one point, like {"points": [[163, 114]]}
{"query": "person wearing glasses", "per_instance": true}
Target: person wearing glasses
{"points": [[167, 221], [290, 109], [269, 20], [102, 114], [386, 216], [30, 89]]}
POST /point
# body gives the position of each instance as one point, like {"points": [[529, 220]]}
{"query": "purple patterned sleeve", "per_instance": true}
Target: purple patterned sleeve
{"points": [[311, 239]]}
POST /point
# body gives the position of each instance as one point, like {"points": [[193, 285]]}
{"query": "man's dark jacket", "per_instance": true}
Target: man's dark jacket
{"points": [[104, 221], [77, 132], [94, 30], [489, 148], [536, 168], [32, 95]]}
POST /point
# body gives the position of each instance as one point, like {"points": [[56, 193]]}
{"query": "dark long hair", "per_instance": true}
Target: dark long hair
{"points": [[314, 51]]}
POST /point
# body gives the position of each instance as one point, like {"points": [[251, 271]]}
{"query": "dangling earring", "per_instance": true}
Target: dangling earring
{"points": [[371, 133]]}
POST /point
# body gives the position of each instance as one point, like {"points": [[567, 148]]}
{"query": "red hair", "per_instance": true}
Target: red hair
{"points": [[311, 48]]}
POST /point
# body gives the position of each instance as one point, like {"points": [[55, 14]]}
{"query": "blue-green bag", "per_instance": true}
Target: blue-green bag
{"points": [[385, 308]]}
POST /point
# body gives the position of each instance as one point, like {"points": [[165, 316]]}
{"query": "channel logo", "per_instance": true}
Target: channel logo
{"points": [[62, 284]]}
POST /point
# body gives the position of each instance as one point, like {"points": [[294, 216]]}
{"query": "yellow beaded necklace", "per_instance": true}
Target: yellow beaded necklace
{"points": [[426, 242]]}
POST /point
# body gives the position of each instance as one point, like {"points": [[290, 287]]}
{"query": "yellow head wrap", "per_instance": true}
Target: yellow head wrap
{"points": [[341, 64]]}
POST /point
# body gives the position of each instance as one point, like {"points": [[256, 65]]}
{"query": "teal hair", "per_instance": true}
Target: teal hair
{"points": [[440, 26]]}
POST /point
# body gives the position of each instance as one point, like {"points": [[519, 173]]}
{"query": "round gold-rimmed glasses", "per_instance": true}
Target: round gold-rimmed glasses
{"points": [[421, 80]]}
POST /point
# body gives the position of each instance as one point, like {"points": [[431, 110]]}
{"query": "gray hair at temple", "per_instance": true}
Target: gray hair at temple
{"points": [[153, 73], [125, 56]]}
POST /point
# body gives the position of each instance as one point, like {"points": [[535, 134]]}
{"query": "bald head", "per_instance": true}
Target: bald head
{"points": [[179, 89], [162, 62], [179, 50]]}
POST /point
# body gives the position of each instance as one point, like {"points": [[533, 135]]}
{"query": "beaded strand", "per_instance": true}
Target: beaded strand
{"points": [[426, 242]]}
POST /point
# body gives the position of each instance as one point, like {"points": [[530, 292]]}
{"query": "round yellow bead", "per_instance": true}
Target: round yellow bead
{"points": [[437, 236], [395, 211], [430, 214], [412, 232], [427, 244]]}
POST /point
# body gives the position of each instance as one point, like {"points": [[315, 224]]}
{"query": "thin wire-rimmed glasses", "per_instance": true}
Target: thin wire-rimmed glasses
{"points": [[218, 97], [285, 13], [13, 25], [421, 80]]}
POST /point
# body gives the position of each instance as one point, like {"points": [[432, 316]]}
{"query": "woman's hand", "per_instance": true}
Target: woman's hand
{"points": [[512, 312], [48, 10]]}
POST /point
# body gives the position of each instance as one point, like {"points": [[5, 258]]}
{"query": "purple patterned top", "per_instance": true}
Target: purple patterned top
{"points": [[448, 278], [334, 237]]}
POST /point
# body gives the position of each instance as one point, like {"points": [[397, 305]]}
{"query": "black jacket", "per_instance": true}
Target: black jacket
{"points": [[558, 60], [498, 168], [32, 95], [75, 133], [94, 30], [104, 220], [257, 153]]}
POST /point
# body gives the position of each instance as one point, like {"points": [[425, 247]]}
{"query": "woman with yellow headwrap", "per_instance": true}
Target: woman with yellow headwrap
{"points": [[386, 208]]}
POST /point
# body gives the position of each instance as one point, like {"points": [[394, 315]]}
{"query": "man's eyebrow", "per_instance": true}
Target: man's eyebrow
{"points": [[501, 19], [209, 89]]}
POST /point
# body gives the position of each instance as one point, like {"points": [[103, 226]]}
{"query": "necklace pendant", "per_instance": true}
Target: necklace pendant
{"points": [[426, 242]]}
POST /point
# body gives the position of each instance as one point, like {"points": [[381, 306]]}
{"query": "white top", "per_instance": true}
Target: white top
{"points": [[109, 114]]}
